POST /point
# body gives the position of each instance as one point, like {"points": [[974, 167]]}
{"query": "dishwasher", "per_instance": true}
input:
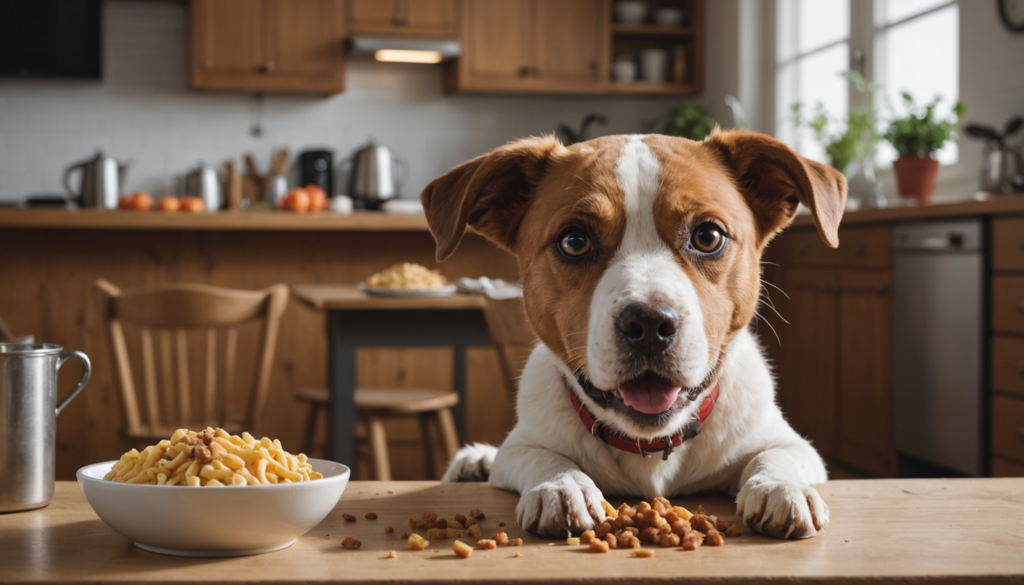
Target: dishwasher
{"points": [[938, 321]]}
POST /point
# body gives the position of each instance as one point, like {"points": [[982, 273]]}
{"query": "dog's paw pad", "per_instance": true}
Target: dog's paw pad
{"points": [[782, 509], [556, 508]]}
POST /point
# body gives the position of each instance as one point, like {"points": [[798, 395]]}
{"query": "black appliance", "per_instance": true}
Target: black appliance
{"points": [[317, 167], [51, 38]]}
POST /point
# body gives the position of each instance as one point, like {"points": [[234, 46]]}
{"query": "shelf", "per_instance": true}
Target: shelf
{"points": [[644, 87], [651, 30]]}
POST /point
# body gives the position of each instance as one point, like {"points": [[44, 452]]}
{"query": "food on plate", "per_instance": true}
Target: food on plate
{"points": [[351, 543], [168, 204], [317, 197], [417, 542], [412, 276], [462, 549], [297, 199], [193, 204], [212, 458]]}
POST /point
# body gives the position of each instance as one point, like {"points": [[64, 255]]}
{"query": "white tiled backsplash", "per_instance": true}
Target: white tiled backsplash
{"points": [[143, 110]]}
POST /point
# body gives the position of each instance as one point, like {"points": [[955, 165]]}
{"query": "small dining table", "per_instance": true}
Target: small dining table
{"points": [[356, 319]]}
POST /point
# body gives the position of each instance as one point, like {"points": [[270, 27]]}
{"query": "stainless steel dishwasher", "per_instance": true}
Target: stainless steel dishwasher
{"points": [[938, 320]]}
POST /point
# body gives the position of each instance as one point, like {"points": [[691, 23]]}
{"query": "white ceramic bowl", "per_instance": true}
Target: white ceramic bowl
{"points": [[631, 12], [213, 522], [668, 17]]}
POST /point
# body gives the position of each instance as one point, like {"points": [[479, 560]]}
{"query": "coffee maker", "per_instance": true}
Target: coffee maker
{"points": [[317, 168]]}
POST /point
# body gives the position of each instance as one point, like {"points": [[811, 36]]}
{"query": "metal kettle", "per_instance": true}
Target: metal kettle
{"points": [[202, 182], [100, 182], [376, 177]]}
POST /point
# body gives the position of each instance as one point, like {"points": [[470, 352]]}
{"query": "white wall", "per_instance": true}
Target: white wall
{"points": [[143, 110]]}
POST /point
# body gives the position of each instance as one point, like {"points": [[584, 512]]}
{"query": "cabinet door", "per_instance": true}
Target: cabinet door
{"points": [[429, 17], [865, 372], [305, 43], [227, 37], [570, 36], [496, 43], [807, 380], [372, 15]]}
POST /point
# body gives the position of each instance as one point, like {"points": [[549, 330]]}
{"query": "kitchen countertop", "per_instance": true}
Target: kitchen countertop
{"points": [[1009, 205], [911, 531]]}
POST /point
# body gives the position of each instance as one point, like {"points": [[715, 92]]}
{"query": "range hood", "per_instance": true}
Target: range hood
{"points": [[406, 50]]}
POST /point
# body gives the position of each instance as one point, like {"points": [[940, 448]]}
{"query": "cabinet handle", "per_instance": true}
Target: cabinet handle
{"points": [[1020, 305], [1020, 368], [1020, 433], [526, 70], [268, 67], [402, 21], [1020, 244], [879, 289], [538, 70], [857, 249]]}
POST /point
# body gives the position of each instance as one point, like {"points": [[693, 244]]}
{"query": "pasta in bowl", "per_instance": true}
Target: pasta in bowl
{"points": [[209, 513]]}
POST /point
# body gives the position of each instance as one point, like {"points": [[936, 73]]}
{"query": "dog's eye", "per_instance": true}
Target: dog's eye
{"points": [[574, 244], [708, 238]]}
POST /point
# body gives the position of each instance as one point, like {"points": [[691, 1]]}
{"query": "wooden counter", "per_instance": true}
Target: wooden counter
{"points": [[884, 531], [1009, 205]]}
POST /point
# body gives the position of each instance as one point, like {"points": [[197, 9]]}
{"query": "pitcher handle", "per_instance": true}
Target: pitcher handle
{"points": [[67, 175], [86, 372], [401, 170]]}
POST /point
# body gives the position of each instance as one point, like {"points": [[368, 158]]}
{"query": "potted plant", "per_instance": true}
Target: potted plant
{"points": [[689, 120], [917, 137], [845, 142]]}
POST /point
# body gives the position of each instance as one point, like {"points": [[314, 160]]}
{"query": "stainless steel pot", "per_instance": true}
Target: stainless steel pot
{"points": [[28, 420], [377, 176], [202, 182], [100, 181]]}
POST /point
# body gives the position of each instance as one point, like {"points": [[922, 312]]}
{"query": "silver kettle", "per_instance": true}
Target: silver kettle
{"points": [[202, 182], [100, 182], [376, 177]]}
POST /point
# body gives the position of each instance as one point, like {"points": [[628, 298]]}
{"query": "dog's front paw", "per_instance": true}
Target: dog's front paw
{"points": [[555, 508], [782, 509]]}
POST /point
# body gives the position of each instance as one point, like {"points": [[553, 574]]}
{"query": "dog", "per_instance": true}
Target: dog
{"points": [[640, 264]]}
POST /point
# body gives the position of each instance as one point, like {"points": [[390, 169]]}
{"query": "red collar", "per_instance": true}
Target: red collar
{"points": [[689, 431]]}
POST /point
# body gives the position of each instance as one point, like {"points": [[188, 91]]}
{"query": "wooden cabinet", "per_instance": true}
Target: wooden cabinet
{"points": [[531, 45], [1007, 347], [268, 45], [420, 18], [834, 363]]}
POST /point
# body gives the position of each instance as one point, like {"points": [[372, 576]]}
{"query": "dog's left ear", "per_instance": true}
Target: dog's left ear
{"points": [[774, 179], [490, 193]]}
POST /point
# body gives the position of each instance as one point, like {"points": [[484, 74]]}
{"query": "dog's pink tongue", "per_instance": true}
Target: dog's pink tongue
{"points": [[649, 395]]}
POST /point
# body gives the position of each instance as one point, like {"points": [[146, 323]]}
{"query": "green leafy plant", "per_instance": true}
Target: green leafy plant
{"points": [[689, 120], [919, 133], [844, 141]]}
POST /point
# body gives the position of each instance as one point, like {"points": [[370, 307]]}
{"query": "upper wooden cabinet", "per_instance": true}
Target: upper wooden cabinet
{"points": [[420, 18], [531, 45], [268, 45]]}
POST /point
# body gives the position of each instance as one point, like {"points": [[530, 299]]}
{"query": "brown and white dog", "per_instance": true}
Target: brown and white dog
{"points": [[640, 262]]}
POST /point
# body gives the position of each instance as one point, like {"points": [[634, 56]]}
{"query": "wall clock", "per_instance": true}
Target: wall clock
{"points": [[1012, 13]]}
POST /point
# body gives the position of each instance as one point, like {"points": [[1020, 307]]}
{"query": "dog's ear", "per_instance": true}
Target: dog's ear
{"points": [[490, 193], [774, 179]]}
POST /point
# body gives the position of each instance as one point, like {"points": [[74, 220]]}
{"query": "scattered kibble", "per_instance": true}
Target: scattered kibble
{"points": [[500, 524], [643, 553], [371, 515], [572, 541], [518, 555], [417, 542], [599, 545], [501, 538], [475, 531], [460, 519], [462, 549], [391, 491], [348, 517], [429, 516], [389, 529], [405, 534], [392, 555], [517, 542], [351, 543], [477, 514]]}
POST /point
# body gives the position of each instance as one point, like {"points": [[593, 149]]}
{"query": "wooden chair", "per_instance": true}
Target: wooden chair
{"points": [[168, 314], [512, 336]]}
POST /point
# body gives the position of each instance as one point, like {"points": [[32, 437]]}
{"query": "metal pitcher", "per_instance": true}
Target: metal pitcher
{"points": [[376, 177], [202, 182], [100, 183], [28, 421]]}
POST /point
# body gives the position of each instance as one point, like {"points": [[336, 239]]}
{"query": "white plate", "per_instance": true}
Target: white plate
{"points": [[380, 291], [213, 522]]}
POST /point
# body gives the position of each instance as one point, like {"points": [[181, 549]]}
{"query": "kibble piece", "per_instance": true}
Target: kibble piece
{"points": [[700, 510], [627, 540], [460, 519], [599, 545], [588, 535], [456, 524], [501, 538], [572, 540], [389, 529], [486, 543], [462, 549], [474, 531], [609, 510], [643, 507], [392, 555], [371, 515], [391, 491], [649, 535], [661, 505], [732, 531], [438, 533], [429, 525], [518, 555], [612, 541], [351, 543], [429, 516], [682, 512], [517, 542], [417, 542], [693, 540], [500, 524], [442, 523], [643, 553], [470, 522], [348, 517], [453, 532], [680, 527], [669, 540], [626, 510], [415, 523], [714, 538], [603, 529], [475, 513]]}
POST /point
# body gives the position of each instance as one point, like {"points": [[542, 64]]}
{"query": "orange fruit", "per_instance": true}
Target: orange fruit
{"points": [[193, 204], [141, 201], [296, 200], [168, 204], [317, 197], [124, 202]]}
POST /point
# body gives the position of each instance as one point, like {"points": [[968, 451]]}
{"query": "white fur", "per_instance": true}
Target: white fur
{"points": [[745, 447]]}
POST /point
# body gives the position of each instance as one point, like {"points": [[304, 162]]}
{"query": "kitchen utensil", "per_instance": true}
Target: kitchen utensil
{"points": [[669, 17], [101, 178], [631, 12], [654, 65], [202, 182], [317, 169], [1002, 170], [28, 420], [624, 70], [275, 188], [569, 136], [376, 176], [233, 187], [213, 522], [278, 162], [253, 183]]}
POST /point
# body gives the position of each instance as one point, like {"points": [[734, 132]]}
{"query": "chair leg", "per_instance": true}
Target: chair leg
{"points": [[379, 448], [426, 419], [311, 419], [449, 435]]}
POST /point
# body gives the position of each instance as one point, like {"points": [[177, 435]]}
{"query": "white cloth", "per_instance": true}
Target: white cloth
{"points": [[495, 288]]}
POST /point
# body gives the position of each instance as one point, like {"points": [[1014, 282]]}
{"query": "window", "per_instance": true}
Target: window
{"points": [[902, 45]]}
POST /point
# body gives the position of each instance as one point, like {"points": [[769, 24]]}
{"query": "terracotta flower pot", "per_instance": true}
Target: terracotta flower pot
{"points": [[915, 177]]}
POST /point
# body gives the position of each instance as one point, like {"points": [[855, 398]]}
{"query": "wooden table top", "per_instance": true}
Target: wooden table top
{"points": [[911, 531], [1008, 205], [348, 297]]}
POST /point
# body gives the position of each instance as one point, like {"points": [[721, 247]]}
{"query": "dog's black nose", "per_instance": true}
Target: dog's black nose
{"points": [[648, 328]]}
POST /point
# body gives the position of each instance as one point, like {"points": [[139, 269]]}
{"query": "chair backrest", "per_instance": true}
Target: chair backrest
{"points": [[512, 336], [169, 314]]}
